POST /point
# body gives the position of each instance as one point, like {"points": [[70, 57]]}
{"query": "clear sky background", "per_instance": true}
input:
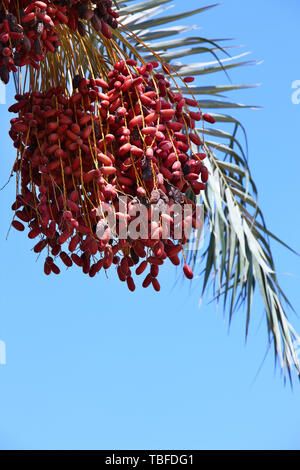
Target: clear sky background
{"points": [[92, 366]]}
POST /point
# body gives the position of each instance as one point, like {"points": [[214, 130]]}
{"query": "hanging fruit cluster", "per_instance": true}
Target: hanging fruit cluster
{"points": [[129, 136], [28, 29], [98, 12]]}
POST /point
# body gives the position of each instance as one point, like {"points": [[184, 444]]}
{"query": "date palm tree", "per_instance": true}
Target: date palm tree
{"points": [[236, 255]]}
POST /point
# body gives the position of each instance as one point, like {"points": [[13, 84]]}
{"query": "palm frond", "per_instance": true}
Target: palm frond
{"points": [[238, 256]]}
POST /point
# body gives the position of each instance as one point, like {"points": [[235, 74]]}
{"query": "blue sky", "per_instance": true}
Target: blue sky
{"points": [[92, 366]]}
